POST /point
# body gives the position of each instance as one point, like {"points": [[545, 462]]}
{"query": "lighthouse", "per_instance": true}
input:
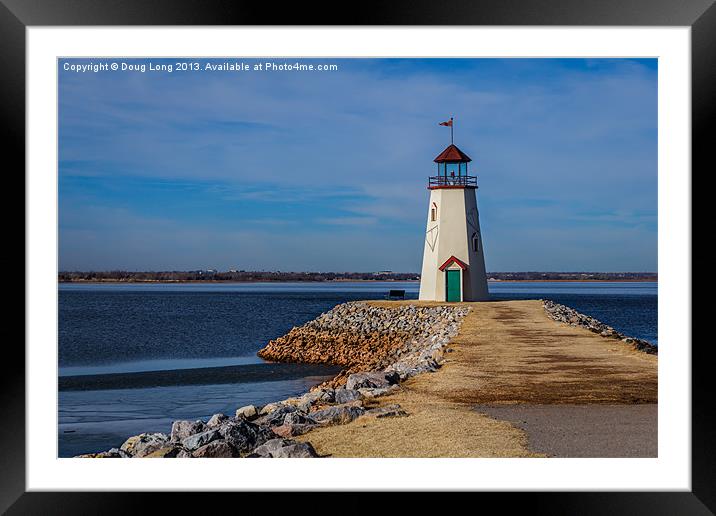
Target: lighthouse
{"points": [[453, 258]]}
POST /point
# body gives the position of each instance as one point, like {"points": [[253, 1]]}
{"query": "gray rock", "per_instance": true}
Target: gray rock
{"points": [[113, 453], [244, 435], [374, 393], [297, 418], [198, 440], [168, 452], [284, 448], [144, 444], [287, 431], [373, 379], [338, 415], [312, 397], [183, 429], [215, 449], [271, 407], [216, 420], [304, 407], [275, 417], [328, 395], [347, 395], [392, 410], [248, 412]]}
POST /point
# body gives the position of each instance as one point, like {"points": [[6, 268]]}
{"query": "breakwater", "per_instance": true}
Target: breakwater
{"points": [[361, 336], [377, 346], [565, 314]]}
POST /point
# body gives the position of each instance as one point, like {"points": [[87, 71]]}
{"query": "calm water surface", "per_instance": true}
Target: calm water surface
{"points": [[139, 328]]}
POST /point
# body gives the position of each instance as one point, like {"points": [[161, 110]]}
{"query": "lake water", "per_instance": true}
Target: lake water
{"points": [[135, 357]]}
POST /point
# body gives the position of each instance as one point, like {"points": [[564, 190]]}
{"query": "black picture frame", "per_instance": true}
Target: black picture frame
{"points": [[700, 15]]}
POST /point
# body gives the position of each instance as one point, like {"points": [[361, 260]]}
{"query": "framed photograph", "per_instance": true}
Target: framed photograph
{"points": [[451, 242]]}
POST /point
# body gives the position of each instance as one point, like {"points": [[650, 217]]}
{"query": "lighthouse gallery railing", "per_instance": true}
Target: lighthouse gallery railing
{"points": [[437, 181]]}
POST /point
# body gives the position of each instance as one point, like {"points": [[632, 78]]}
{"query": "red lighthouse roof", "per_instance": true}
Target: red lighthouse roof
{"points": [[452, 155], [454, 260]]}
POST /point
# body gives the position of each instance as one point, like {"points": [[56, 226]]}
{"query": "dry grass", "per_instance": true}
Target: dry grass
{"points": [[512, 352], [507, 352], [431, 429]]}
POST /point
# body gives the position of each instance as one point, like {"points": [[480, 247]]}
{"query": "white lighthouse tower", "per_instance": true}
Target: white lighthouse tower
{"points": [[453, 259]]}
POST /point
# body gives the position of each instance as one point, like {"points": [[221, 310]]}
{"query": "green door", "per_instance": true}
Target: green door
{"points": [[453, 285]]}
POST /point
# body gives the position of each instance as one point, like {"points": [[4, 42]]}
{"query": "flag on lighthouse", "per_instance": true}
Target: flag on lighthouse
{"points": [[448, 124]]}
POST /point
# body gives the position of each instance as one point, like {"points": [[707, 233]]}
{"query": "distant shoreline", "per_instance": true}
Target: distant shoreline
{"points": [[99, 282]]}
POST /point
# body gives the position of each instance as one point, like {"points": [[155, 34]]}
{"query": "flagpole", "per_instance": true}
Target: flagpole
{"points": [[451, 133]]}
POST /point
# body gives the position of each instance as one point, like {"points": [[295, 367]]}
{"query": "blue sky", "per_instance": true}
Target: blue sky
{"points": [[327, 171]]}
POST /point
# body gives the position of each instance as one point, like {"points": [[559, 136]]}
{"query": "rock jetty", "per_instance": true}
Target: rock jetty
{"points": [[362, 337], [565, 314], [378, 348]]}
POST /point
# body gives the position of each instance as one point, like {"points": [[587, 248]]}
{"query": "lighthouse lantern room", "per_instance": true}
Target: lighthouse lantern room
{"points": [[453, 257]]}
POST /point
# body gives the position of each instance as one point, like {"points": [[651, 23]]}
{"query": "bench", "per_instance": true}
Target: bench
{"points": [[396, 294]]}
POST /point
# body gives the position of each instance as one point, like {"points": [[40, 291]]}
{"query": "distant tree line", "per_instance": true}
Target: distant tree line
{"points": [[245, 276], [573, 276], [248, 276]]}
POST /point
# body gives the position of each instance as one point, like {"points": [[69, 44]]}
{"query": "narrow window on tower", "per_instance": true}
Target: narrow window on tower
{"points": [[475, 242], [433, 212]]}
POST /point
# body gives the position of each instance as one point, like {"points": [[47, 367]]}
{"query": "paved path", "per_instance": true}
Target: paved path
{"points": [[512, 353], [584, 430]]}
